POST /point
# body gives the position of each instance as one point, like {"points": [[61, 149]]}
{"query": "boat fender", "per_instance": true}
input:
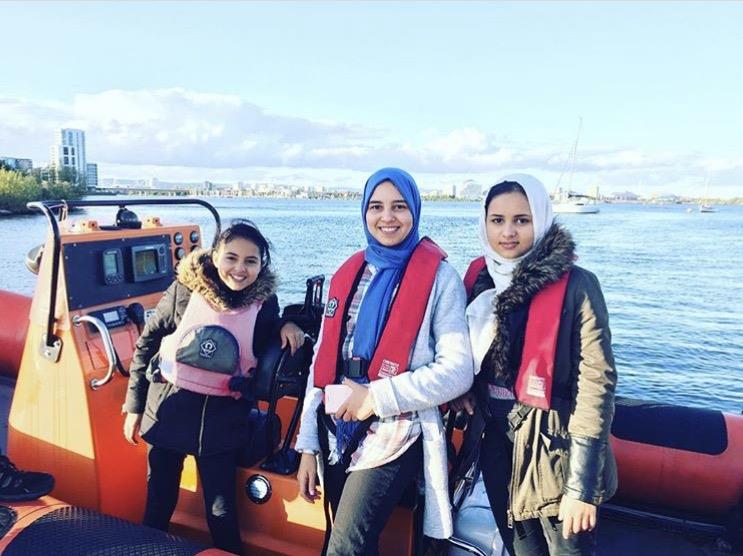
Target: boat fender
{"points": [[16, 308]]}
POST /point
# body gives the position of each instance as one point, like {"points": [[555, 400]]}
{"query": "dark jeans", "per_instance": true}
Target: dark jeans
{"points": [[362, 501], [531, 537], [217, 474]]}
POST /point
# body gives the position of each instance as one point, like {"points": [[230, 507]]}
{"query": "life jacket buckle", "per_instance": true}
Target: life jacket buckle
{"points": [[355, 367]]}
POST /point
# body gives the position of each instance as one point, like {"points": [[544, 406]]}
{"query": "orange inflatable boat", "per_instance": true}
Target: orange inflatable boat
{"points": [[68, 349]]}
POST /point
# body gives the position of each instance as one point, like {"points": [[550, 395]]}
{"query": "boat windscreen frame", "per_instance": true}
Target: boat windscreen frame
{"points": [[51, 344]]}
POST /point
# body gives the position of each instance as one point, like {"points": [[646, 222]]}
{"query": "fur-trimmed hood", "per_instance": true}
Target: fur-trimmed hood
{"points": [[548, 261], [198, 273]]}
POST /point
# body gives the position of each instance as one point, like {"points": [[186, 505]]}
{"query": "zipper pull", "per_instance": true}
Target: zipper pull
{"points": [[510, 519]]}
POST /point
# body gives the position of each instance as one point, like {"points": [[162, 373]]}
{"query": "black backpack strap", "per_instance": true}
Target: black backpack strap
{"points": [[469, 456]]}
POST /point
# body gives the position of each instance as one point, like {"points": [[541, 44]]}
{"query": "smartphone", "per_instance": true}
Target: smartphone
{"points": [[335, 395]]}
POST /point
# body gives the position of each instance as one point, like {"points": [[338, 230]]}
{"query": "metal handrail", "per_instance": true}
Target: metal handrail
{"points": [[108, 347], [50, 339], [46, 207]]}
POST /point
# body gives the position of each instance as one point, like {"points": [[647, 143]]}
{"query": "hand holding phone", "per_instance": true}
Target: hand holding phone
{"points": [[335, 396]]}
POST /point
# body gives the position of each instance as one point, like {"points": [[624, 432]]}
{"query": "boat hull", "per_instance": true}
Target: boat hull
{"points": [[570, 208]]}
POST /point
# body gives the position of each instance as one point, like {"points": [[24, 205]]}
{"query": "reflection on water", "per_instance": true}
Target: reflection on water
{"points": [[672, 280]]}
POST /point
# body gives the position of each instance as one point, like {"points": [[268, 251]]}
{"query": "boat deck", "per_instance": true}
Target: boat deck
{"points": [[619, 535]]}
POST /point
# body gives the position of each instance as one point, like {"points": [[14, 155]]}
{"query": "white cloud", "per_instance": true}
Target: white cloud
{"points": [[174, 132]]}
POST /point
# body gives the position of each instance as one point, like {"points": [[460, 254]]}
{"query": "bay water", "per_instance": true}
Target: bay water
{"points": [[672, 279]]}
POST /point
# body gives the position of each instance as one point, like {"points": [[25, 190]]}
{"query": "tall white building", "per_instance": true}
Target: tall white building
{"points": [[68, 151]]}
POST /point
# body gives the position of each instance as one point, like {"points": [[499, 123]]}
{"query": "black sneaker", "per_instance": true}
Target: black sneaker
{"points": [[17, 486]]}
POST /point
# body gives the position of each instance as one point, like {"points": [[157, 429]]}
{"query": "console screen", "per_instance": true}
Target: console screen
{"points": [[145, 262], [110, 316], [110, 263]]}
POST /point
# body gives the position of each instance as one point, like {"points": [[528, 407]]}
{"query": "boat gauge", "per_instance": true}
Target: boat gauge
{"points": [[178, 238], [194, 236]]}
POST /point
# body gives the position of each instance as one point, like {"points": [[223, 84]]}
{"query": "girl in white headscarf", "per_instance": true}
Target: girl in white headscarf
{"points": [[545, 375]]}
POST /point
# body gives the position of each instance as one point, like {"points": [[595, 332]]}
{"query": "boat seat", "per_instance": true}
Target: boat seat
{"points": [[8, 517], [279, 374], [71, 531]]}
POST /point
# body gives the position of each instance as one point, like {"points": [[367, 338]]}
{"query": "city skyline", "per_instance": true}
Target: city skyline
{"points": [[326, 92]]}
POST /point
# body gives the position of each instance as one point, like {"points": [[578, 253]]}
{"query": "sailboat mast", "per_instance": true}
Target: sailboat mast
{"points": [[572, 155], [575, 153]]}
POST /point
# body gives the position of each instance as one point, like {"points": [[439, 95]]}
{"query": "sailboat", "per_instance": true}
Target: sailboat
{"points": [[564, 200], [704, 206]]}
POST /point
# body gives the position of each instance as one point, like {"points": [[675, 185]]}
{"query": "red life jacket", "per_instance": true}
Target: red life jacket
{"points": [[536, 373], [392, 353]]}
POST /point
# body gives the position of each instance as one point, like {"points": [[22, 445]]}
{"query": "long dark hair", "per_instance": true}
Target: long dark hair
{"points": [[500, 189], [246, 229]]}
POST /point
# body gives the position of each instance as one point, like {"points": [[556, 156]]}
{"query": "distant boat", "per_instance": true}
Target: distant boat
{"points": [[704, 206], [565, 201], [575, 204]]}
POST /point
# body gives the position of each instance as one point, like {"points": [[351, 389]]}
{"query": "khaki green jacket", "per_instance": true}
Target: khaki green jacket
{"points": [[563, 451]]}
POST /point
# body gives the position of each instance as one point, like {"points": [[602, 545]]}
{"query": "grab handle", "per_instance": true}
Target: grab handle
{"points": [[108, 347]]}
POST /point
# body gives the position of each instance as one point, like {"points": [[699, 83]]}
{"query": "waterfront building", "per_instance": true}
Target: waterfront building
{"points": [[91, 174], [470, 190], [21, 164], [68, 151], [624, 197]]}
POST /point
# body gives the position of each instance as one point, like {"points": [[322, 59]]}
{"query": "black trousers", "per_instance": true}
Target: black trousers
{"points": [[362, 501], [531, 537], [217, 474]]}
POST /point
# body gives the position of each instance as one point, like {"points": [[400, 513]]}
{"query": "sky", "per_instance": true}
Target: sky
{"points": [[324, 93]]}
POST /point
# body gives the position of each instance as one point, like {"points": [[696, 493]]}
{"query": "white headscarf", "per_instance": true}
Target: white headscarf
{"points": [[500, 268], [480, 312]]}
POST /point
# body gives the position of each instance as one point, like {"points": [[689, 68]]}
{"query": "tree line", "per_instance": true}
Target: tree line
{"points": [[18, 187]]}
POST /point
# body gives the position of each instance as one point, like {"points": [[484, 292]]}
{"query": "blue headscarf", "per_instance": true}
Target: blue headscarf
{"points": [[389, 261]]}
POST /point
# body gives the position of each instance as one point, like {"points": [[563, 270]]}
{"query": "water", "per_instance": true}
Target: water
{"points": [[672, 280]]}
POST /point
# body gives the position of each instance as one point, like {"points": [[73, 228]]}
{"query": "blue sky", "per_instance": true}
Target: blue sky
{"points": [[317, 92]]}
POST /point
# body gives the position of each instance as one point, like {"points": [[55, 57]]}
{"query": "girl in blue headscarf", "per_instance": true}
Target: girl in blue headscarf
{"points": [[394, 344]]}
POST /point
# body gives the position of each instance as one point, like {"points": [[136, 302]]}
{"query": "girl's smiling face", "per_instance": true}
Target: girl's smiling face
{"points": [[509, 226], [238, 263], [388, 217]]}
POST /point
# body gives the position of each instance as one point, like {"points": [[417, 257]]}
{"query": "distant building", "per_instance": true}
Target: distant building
{"points": [[624, 196], [22, 164], [68, 151], [91, 174], [152, 183], [666, 198], [470, 190]]}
